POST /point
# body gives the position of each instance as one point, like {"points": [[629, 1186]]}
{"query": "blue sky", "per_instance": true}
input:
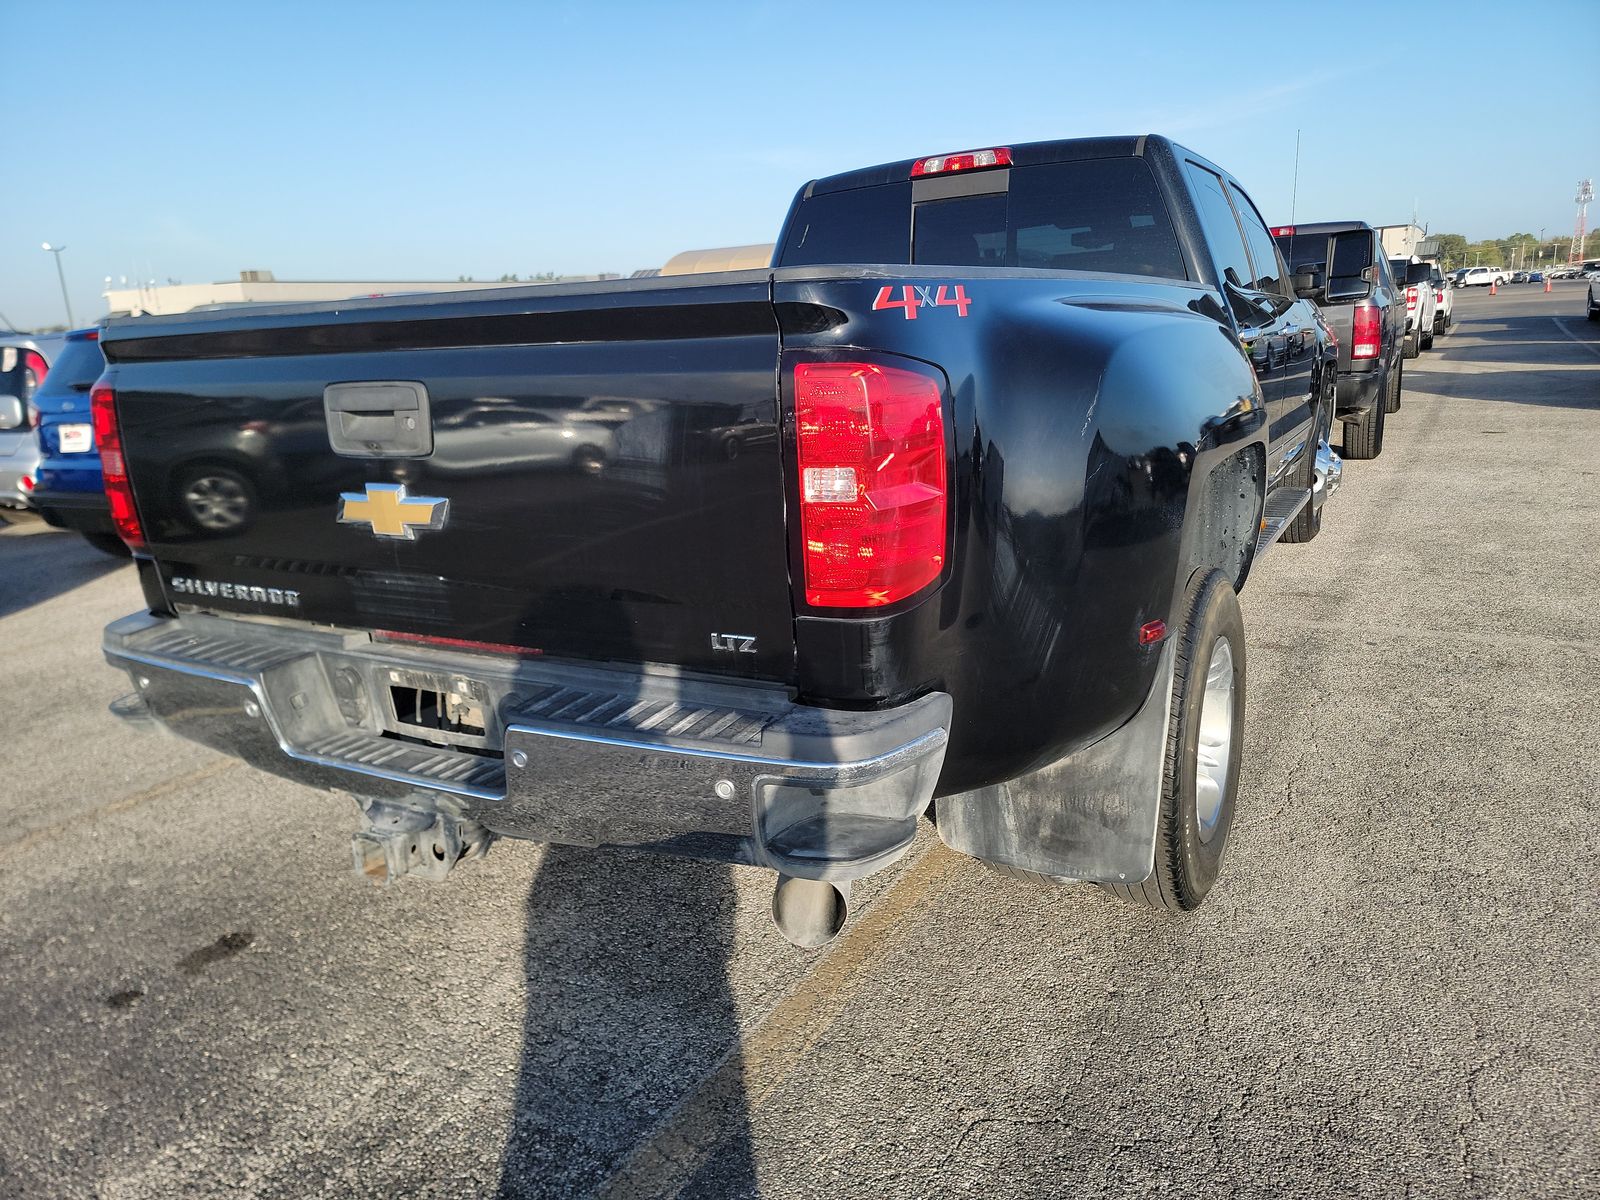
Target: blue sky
{"points": [[355, 140]]}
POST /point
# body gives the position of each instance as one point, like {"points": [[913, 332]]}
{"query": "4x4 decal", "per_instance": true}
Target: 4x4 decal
{"points": [[915, 296]]}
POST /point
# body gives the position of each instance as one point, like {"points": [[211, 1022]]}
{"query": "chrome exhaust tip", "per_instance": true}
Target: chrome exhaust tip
{"points": [[810, 912]]}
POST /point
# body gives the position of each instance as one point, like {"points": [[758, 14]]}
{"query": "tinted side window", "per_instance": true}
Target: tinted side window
{"points": [[1220, 225], [862, 225], [1263, 251]]}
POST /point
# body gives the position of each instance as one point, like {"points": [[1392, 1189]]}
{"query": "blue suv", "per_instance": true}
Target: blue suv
{"points": [[70, 493]]}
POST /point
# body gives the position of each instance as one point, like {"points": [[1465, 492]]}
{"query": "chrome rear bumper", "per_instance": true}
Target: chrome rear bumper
{"points": [[551, 751]]}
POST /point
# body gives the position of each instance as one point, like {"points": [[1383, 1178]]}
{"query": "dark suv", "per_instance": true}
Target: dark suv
{"points": [[1360, 300]]}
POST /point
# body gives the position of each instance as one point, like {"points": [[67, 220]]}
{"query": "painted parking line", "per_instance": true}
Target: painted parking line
{"points": [[1591, 346], [153, 792], [766, 1055]]}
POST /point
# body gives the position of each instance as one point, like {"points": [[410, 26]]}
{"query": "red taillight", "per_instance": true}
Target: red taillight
{"points": [[26, 483], [871, 450], [1283, 231], [1366, 332], [970, 160], [1438, 297], [108, 437], [1411, 297]]}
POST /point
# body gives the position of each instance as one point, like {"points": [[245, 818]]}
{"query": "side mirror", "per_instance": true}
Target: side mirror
{"points": [[1347, 287], [12, 415], [1307, 285]]}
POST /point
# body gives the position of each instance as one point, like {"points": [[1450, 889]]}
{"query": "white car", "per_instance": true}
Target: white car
{"points": [[1483, 276], [1444, 301], [1594, 296]]}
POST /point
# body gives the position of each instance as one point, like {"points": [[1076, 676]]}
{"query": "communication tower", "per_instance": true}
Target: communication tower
{"points": [[1585, 194]]}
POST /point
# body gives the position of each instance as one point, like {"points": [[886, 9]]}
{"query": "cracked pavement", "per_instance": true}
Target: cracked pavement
{"points": [[1391, 991]]}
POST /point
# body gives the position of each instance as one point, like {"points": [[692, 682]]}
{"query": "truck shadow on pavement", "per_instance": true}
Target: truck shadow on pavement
{"points": [[38, 564], [1524, 360], [628, 1010]]}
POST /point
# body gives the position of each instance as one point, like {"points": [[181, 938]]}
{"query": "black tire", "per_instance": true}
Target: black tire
{"points": [[1393, 388], [1363, 437], [108, 543], [1188, 852], [1594, 314], [1410, 347], [1426, 339], [1026, 876], [1308, 521], [216, 500]]}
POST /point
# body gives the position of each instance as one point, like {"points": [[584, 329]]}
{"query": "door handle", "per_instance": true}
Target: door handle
{"points": [[378, 419]]}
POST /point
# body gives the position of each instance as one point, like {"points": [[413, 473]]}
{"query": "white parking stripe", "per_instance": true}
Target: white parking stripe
{"points": [[1591, 347]]}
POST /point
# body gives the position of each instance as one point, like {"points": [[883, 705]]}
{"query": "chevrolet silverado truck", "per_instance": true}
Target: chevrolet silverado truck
{"points": [[1013, 425]]}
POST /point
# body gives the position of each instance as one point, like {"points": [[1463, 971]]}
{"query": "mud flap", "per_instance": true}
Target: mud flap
{"points": [[1089, 815]]}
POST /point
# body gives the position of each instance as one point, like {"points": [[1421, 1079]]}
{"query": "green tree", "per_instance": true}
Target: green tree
{"points": [[1452, 250]]}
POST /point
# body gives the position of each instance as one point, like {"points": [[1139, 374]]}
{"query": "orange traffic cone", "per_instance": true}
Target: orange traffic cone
{"points": [[1492, 290], [1547, 285]]}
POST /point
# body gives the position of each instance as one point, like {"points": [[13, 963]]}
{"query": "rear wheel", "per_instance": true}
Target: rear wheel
{"points": [[1200, 776], [1410, 348], [1393, 387], [1363, 437], [1426, 339]]}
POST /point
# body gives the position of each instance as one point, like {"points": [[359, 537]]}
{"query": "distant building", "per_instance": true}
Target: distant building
{"points": [[723, 258], [1403, 241], [259, 287]]}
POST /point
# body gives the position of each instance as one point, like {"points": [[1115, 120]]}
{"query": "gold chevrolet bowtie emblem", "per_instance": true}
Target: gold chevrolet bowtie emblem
{"points": [[391, 513]]}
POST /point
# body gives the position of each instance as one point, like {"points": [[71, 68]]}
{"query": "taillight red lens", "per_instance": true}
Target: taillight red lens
{"points": [[108, 437], [971, 160], [1411, 297], [871, 449], [1366, 332]]}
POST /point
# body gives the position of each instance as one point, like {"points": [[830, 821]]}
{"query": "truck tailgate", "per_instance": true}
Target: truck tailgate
{"points": [[605, 474]]}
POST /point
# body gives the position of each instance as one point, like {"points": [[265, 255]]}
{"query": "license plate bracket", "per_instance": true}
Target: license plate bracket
{"points": [[76, 438]]}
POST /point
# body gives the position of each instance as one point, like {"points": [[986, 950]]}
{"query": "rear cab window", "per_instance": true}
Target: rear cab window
{"points": [[1103, 215]]}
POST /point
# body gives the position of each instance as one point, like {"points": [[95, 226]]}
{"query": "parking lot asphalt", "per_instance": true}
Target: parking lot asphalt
{"points": [[1391, 991]]}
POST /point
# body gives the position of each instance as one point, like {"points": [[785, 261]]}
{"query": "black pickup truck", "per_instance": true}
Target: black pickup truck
{"points": [[949, 506]]}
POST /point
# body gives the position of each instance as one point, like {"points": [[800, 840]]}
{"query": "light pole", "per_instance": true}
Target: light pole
{"points": [[61, 275]]}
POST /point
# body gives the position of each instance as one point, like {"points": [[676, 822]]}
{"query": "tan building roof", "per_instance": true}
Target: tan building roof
{"points": [[722, 258]]}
